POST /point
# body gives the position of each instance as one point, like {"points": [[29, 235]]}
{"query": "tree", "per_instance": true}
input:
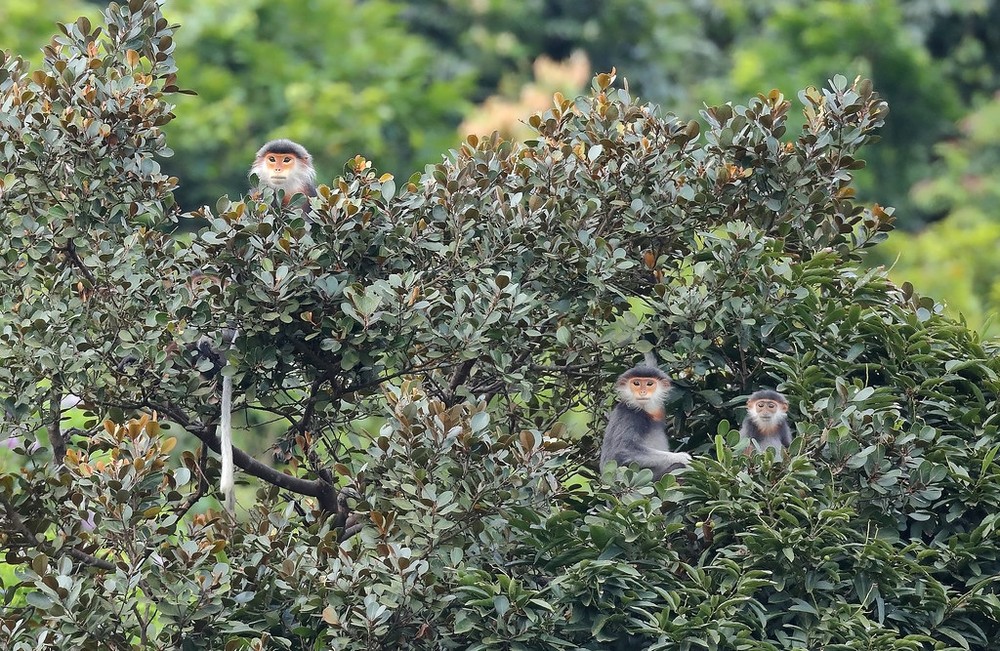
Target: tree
{"points": [[470, 309], [923, 57]]}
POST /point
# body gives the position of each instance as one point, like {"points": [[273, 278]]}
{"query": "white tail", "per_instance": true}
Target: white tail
{"points": [[228, 482]]}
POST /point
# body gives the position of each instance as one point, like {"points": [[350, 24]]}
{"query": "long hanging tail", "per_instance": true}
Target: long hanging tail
{"points": [[227, 483]]}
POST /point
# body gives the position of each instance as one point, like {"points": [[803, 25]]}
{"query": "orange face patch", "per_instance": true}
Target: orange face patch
{"points": [[280, 166], [646, 388], [643, 387]]}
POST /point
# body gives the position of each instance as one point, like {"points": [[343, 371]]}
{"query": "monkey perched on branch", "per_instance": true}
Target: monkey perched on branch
{"points": [[636, 431], [766, 423]]}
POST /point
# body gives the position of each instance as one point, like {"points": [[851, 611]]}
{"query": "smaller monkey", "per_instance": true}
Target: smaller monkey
{"points": [[637, 431], [765, 423], [285, 165]]}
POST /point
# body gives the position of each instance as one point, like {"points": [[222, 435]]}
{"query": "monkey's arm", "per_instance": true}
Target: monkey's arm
{"points": [[746, 434], [786, 436], [661, 462]]}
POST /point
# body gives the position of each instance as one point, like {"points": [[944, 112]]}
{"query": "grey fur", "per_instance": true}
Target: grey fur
{"points": [[634, 437]]}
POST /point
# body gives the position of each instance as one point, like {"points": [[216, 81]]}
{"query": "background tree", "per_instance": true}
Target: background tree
{"points": [[470, 309], [25, 24], [956, 256]]}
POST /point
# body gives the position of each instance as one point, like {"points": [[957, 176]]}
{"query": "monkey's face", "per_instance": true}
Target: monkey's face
{"points": [[767, 412], [286, 166], [645, 393], [278, 170]]}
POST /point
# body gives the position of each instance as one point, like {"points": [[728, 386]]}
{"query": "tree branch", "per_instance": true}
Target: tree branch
{"points": [[461, 374], [56, 439], [327, 366], [199, 492], [303, 425], [309, 487], [318, 488], [70, 251]]}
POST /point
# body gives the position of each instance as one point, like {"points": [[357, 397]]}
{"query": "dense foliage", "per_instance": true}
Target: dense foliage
{"points": [[469, 310], [401, 81]]}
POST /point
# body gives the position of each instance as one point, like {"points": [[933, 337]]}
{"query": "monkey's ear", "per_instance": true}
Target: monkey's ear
{"points": [[665, 383]]}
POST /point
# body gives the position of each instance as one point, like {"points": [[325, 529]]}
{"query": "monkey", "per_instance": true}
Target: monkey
{"points": [[765, 423], [285, 165], [636, 431], [204, 350]]}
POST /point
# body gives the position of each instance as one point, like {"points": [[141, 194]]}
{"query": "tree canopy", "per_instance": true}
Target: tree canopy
{"points": [[465, 315], [401, 81]]}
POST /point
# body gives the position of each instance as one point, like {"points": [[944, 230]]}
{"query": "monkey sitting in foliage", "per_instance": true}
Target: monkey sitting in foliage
{"points": [[766, 423], [636, 432]]}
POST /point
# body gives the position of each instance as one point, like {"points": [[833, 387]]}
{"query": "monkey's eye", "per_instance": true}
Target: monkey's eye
{"points": [[271, 159], [288, 159]]}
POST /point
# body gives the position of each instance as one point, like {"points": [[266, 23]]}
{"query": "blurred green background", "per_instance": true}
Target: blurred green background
{"points": [[400, 82]]}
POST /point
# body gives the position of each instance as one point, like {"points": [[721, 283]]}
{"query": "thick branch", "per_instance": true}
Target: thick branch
{"points": [[71, 254], [461, 374], [56, 439], [309, 487], [323, 491], [307, 414]]}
